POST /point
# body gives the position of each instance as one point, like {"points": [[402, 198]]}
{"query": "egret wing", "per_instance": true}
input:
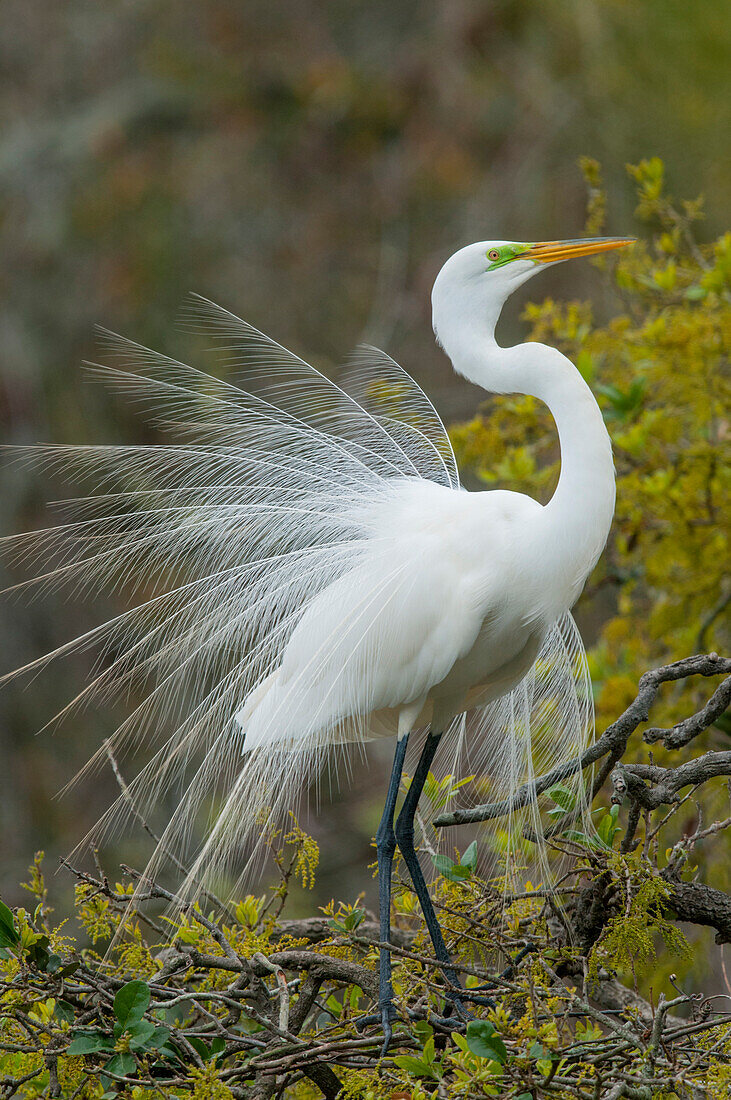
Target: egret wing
{"points": [[381, 637]]}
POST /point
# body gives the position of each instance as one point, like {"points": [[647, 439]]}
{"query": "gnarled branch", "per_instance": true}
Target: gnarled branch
{"points": [[612, 743]]}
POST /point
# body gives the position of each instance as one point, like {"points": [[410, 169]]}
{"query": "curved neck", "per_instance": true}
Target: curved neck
{"points": [[579, 514], [577, 519]]}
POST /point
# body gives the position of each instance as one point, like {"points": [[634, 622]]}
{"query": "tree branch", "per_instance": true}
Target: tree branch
{"points": [[611, 744], [685, 731], [629, 779], [697, 903]]}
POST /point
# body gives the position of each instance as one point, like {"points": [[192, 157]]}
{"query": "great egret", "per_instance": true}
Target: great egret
{"points": [[313, 575]]}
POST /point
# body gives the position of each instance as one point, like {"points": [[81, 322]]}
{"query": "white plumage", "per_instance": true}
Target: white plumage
{"points": [[310, 573], [418, 624]]}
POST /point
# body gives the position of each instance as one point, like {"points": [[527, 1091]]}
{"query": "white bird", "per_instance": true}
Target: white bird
{"points": [[312, 574]]}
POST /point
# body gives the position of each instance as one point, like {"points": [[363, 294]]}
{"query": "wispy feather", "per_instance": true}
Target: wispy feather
{"points": [[279, 493]]}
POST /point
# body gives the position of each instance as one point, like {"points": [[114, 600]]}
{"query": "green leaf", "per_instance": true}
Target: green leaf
{"points": [[423, 1030], [37, 953], [607, 828], [199, 1046], [350, 921], [455, 872], [163, 1047], [8, 934], [415, 1066], [429, 1051], [469, 859], [218, 1045], [131, 1003], [624, 402], [443, 863], [121, 1064], [90, 1042], [140, 1033], [63, 1012], [168, 1051], [563, 797], [69, 968], [483, 1040], [578, 837], [159, 1039]]}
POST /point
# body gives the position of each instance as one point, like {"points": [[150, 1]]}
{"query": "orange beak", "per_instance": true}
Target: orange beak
{"points": [[551, 252]]}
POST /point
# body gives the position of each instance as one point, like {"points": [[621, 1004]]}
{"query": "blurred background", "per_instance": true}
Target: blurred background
{"points": [[309, 166]]}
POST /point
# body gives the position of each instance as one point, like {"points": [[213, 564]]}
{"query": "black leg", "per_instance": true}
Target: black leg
{"points": [[405, 839], [385, 848]]}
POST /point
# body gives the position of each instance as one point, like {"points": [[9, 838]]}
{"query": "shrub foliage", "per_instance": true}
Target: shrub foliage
{"points": [[211, 1001]]}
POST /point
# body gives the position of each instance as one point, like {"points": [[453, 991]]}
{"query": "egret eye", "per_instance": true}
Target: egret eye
{"points": [[493, 254]]}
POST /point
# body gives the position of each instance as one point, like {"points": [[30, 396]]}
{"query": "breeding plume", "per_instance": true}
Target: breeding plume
{"points": [[308, 574]]}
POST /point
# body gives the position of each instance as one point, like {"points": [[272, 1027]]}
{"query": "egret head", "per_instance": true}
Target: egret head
{"points": [[478, 278]]}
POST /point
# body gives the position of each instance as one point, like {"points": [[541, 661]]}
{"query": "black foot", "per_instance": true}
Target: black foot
{"points": [[477, 999], [455, 1003], [365, 1021], [388, 1015], [385, 1016]]}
